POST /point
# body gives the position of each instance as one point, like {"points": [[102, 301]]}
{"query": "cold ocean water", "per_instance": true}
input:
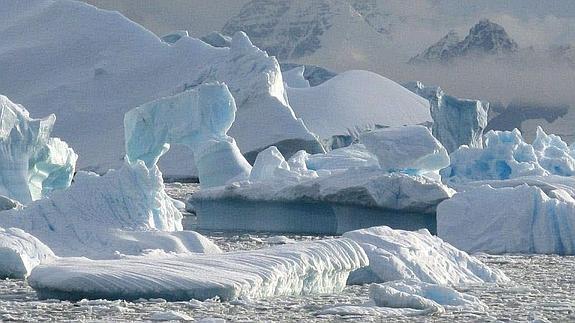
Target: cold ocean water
{"points": [[543, 288]]}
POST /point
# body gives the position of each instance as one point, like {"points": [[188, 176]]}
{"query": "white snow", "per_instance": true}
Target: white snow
{"points": [[102, 65], [398, 255], [410, 149], [170, 316], [293, 269], [521, 219], [20, 252], [357, 98], [32, 163], [126, 211], [294, 78]]}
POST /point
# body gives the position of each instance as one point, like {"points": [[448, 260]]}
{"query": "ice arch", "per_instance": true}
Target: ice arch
{"points": [[198, 119]]}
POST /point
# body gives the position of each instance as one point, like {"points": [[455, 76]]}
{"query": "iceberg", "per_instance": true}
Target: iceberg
{"points": [[409, 149], [109, 65], [124, 211], [417, 255], [528, 221], [292, 269], [217, 40], [429, 298], [33, 163], [357, 99], [198, 119], [506, 155], [294, 78], [456, 122], [20, 252]]}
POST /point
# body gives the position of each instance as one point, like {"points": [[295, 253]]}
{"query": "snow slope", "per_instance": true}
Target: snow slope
{"points": [[293, 269], [90, 66], [357, 98]]}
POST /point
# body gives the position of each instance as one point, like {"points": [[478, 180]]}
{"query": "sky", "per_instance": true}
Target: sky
{"points": [[531, 23]]}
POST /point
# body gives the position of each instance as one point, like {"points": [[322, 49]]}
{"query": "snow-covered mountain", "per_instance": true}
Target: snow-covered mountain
{"points": [[485, 38], [292, 29]]}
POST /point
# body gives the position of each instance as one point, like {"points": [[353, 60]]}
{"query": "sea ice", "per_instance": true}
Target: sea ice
{"points": [[456, 122], [521, 219], [20, 252], [292, 269], [33, 164], [397, 255]]}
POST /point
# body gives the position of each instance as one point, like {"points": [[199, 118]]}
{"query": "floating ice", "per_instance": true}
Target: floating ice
{"points": [[217, 40], [198, 119], [125, 211], [397, 255], [409, 149], [20, 252], [356, 98], [356, 155], [520, 219], [553, 154], [429, 298], [456, 122], [33, 164], [293, 269], [294, 78], [506, 156], [109, 65]]}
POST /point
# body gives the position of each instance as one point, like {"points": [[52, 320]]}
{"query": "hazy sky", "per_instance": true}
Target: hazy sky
{"points": [[420, 23]]}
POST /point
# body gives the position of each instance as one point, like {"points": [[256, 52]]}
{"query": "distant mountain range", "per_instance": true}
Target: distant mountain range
{"points": [[485, 38]]}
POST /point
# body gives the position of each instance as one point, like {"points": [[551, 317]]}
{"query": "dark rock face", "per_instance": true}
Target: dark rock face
{"points": [[485, 38]]}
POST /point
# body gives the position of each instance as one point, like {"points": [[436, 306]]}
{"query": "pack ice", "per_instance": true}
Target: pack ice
{"points": [[33, 163], [109, 64], [345, 189], [294, 269]]}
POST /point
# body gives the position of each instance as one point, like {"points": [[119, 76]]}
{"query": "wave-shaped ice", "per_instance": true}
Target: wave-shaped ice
{"points": [[20, 252], [32, 163], [398, 255], [520, 219], [199, 119], [293, 269]]}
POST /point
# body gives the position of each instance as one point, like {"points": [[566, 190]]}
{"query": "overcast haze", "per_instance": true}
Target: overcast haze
{"points": [[417, 25]]}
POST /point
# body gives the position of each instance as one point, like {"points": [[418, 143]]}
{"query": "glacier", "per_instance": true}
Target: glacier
{"points": [[20, 252], [33, 163], [293, 269], [198, 119], [417, 255], [456, 121], [529, 221], [109, 64]]}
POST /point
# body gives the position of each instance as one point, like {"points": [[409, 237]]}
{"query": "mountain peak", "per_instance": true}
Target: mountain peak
{"points": [[484, 38]]}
